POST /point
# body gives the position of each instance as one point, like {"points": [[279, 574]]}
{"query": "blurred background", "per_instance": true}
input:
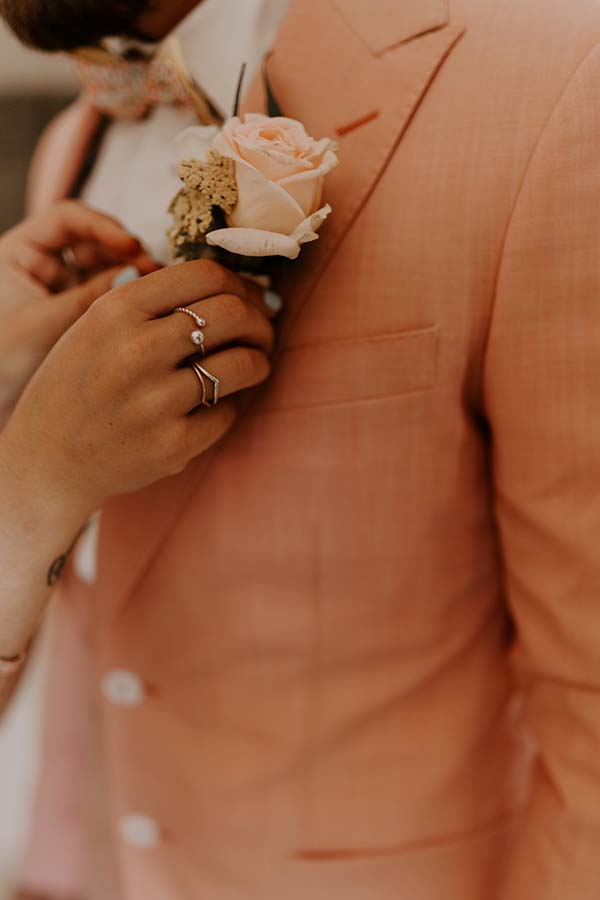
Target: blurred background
{"points": [[32, 89]]}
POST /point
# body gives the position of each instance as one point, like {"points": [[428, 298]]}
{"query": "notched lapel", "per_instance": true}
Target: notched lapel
{"points": [[132, 529], [387, 23], [325, 73]]}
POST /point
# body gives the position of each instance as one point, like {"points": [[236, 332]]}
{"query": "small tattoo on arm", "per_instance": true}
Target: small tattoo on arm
{"points": [[58, 565], [56, 569]]}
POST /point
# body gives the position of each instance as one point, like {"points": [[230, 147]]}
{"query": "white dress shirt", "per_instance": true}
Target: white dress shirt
{"points": [[135, 176]]}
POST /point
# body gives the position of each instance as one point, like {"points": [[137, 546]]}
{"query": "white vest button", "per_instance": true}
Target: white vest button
{"points": [[139, 831], [123, 688]]}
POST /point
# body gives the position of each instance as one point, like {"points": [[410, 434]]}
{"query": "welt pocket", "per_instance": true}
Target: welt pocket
{"points": [[498, 829], [354, 369]]}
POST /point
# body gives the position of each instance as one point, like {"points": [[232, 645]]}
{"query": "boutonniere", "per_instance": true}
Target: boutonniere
{"points": [[252, 190]]}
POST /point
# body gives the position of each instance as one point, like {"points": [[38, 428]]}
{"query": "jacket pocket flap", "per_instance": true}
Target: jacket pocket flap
{"points": [[353, 370]]}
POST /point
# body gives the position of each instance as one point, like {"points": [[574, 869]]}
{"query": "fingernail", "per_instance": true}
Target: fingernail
{"points": [[273, 301], [131, 273]]}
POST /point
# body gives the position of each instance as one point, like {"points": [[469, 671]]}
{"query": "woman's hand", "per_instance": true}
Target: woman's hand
{"points": [[41, 296], [115, 407], [32, 255]]}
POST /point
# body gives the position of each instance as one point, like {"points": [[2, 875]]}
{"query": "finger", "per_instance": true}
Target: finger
{"points": [[71, 221], [236, 369], [90, 256], [204, 427], [50, 320], [42, 266], [183, 284], [229, 319]]}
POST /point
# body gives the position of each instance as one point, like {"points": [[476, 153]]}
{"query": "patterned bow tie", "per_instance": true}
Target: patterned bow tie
{"points": [[129, 88]]}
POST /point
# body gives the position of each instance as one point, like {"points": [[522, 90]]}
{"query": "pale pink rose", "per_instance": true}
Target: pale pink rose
{"points": [[280, 172]]}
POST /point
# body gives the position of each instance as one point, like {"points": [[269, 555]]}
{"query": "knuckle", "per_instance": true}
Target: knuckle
{"points": [[213, 275], [107, 310], [251, 365], [243, 363], [129, 354], [136, 350], [261, 365], [152, 406], [233, 308]]}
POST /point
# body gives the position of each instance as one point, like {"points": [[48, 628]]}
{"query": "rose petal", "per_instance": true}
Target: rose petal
{"points": [[273, 162], [307, 230], [320, 149], [277, 147], [307, 187], [328, 163], [306, 190], [253, 242], [262, 204]]}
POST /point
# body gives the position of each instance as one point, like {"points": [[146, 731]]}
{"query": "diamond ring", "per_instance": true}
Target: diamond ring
{"points": [[197, 336]]}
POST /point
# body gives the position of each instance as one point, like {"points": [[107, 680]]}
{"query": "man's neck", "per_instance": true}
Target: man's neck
{"points": [[164, 15]]}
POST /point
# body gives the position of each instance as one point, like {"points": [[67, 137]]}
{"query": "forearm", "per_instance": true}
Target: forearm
{"points": [[37, 528]]}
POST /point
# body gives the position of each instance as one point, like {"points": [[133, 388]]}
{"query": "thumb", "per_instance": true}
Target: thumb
{"points": [[77, 300], [61, 311], [45, 322]]}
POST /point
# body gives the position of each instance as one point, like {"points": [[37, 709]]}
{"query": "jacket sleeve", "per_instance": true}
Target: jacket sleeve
{"points": [[542, 400]]}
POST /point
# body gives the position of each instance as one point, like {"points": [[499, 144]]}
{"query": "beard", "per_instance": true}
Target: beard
{"points": [[56, 25]]}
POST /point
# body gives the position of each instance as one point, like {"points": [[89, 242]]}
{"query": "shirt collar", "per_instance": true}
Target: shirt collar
{"points": [[218, 36]]}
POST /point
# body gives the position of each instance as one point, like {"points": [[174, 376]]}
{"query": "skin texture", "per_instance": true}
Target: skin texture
{"points": [[115, 408]]}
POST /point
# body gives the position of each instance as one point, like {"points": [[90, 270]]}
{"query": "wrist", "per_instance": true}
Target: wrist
{"points": [[37, 498], [38, 526]]}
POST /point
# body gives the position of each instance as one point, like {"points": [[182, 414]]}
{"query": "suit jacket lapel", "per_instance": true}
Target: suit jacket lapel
{"points": [[132, 529], [343, 63], [334, 64]]}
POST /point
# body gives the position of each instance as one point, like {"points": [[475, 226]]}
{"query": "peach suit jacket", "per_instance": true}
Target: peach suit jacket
{"points": [[368, 625]]}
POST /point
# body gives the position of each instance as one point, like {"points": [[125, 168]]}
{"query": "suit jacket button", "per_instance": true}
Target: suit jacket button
{"points": [[123, 688], [139, 831]]}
